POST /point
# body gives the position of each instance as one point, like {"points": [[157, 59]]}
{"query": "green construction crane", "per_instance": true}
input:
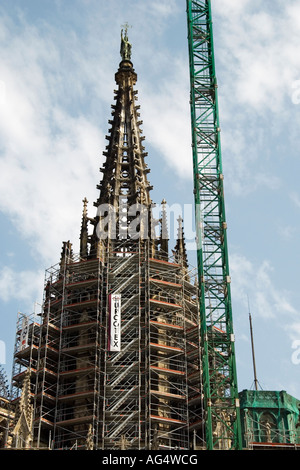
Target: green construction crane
{"points": [[221, 401]]}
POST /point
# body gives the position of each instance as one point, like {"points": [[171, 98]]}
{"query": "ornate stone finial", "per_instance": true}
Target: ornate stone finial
{"points": [[125, 49], [164, 234], [180, 248], [123, 443], [85, 202], [84, 231], [89, 444]]}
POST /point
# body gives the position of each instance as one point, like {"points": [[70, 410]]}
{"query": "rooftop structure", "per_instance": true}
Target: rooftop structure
{"points": [[270, 420]]}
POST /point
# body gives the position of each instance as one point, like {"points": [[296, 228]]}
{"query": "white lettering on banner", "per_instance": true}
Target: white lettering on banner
{"points": [[115, 322]]}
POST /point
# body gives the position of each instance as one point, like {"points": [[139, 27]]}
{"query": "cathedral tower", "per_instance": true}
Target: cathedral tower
{"points": [[115, 360]]}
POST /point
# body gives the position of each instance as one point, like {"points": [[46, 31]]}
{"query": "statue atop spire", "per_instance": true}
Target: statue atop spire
{"points": [[125, 49]]}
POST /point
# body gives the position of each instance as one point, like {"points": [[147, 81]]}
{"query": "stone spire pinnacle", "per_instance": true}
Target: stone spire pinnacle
{"points": [[66, 255], [124, 186], [180, 253], [164, 235], [84, 231]]}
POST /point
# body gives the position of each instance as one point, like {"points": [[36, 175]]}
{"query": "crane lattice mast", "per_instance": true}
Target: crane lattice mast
{"points": [[222, 414]]}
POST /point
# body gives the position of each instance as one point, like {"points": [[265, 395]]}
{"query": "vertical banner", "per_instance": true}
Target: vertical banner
{"points": [[114, 342], [24, 334]]}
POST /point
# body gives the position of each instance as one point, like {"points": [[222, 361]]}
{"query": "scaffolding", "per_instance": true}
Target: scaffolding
{"points": [[146, 395], [117, 351], [174, 356], [26, 351], [67, 385]]}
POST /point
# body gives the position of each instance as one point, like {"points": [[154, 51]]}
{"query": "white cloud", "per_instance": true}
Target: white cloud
{"points": [[260, 45], [25, 286], [231, 8], [295, 198], [162, 9], [167, 116], [257, 61], [49, 157], [287, 232], [52, 139], [254, 282]]}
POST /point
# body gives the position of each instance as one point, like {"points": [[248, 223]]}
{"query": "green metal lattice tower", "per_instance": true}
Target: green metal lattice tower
{"points": [[222, 412]]}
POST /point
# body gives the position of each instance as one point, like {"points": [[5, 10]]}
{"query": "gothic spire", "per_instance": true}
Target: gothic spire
{"points": [[125, 187], [125, 171]]}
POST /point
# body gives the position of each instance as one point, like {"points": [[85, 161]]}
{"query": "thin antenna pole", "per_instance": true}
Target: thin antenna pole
{"points": [[252, 346]]}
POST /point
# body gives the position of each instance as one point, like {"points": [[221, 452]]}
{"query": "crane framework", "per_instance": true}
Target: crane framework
{"points": [[223, 428]]}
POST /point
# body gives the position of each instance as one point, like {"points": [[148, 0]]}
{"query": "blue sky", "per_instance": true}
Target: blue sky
{"points": [[57, 64]]}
